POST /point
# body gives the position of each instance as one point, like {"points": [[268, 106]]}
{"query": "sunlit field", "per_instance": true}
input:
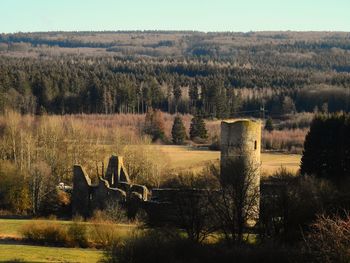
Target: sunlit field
{"points": [[29, 253], [184, 158], [13, 249]]}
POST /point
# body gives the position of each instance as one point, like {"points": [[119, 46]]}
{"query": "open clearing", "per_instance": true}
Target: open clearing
{"points": [[184, 157]]}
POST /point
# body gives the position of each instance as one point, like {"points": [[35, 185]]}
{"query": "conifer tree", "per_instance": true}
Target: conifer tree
{"points": [[178, 131], [197, 128], [327, 147]]}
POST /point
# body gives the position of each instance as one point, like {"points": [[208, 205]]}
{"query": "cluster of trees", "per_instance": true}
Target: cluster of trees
{"points": [[154, 127], [197, 132]]}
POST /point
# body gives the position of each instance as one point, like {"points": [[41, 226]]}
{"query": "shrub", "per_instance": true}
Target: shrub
{"points": [[53, 233], [290, 203], [47, 233], [104, 233], [78, 234], [329, 239]]}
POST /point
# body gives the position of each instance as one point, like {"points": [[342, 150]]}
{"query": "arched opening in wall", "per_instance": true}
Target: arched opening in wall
{"points": [[255, 145]]}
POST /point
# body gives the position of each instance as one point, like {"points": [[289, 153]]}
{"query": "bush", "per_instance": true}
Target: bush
{"points": [[46, 233], [104, 233], [78, 234], [53, 233], [329, 239], [290, 203]]}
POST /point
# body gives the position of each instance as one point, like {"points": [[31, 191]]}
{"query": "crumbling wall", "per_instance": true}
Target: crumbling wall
{"points": [[81, 192], [116, 172], [115, 186]]}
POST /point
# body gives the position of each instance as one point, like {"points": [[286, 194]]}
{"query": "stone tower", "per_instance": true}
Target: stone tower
{"points": [[240, 156]]}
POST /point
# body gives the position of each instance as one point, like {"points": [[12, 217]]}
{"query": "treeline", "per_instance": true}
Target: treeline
{"points": [[113, 85]]}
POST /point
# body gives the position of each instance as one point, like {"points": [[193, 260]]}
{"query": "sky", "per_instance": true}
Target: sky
{"points": [[199, 15]]}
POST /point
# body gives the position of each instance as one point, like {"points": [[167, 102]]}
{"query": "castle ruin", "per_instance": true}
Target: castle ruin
{"points": [[114, 186], [240, 140]]}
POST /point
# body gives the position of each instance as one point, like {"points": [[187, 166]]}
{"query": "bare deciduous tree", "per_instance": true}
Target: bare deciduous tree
{"points": [[237, 203]]}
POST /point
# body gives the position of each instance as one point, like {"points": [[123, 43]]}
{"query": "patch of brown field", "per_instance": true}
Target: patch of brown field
{"points": [[188, 158]]}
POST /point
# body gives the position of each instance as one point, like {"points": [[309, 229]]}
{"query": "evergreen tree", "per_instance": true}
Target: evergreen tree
{"points": [[269, 125], [197, 128], [178, 131], [327, 147]]}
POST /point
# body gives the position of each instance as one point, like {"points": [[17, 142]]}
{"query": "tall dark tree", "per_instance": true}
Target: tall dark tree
{"points": [[178, 131], [197, 128], [327, 147]]}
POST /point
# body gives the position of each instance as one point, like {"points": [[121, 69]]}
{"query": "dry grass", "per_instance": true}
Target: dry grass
{"points": [[28, 253], [185, 158]]}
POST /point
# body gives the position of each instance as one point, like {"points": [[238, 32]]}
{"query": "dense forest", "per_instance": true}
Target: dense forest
{"points": [[218, 74]]}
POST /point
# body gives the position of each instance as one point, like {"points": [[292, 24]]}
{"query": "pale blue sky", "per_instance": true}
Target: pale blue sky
{"points": [[202, 15]]}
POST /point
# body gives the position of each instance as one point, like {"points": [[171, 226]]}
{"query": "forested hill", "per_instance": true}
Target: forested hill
{"points": [[219, 74]]}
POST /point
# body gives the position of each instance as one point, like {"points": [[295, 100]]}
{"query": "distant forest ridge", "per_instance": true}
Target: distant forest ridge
{"points": [[217, 74]]}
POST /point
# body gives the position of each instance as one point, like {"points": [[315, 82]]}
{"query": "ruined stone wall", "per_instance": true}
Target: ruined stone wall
{"points": [[81, 192], [114, 187], [116, 172]]}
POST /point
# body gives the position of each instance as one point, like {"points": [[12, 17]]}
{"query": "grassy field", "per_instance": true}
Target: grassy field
{"points": [[182, 157], [11, 250], [28, 253]]}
